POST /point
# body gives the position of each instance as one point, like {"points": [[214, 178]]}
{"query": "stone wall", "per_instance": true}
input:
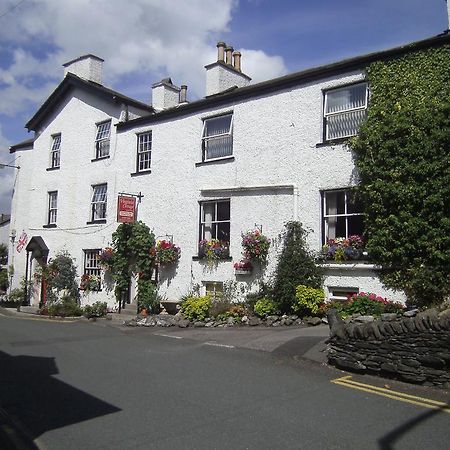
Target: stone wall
{"points": [[414, 349]]}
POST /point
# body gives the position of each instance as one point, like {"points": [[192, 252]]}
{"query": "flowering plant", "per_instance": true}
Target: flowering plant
{"points": [[105, 258], [166, 252], [243, 265], [90, 282], [344, 249], [213, 249], [256, 246]]}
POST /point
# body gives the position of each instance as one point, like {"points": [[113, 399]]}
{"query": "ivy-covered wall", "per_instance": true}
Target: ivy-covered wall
{"points": [[402, 155]]}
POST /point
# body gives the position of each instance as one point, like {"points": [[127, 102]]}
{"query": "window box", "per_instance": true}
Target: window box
{"points": [[242, 271]]}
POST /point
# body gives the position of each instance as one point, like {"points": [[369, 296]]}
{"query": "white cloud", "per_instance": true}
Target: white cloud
{"points": [[142, 39], [7, 176]]}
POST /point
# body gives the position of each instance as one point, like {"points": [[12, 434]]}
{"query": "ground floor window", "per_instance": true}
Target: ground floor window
{"points": [[215, 220], [341, 293], [213, 288], [91, 278]]}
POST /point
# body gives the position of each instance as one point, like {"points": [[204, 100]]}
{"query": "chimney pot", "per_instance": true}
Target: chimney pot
{"points": [[221, 51], [229, 52], [183, 94], [237, 61]]}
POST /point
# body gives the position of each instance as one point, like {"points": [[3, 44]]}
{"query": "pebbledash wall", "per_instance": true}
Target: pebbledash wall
{"points": [[278, 169]]}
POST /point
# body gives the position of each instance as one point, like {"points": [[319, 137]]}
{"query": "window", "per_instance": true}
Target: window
{"points": [[98, 203], [345, 109], [342, 214], [213, 288], [341, 293], [91, 262], [215, 220], [52, 207], [217, 137], [144, 151], [102, 140], [55, 152]]}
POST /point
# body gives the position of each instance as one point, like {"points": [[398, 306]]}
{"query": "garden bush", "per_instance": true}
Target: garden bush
{"points": [[16, 295], [308, 301], [97, 309], [66, 307], [265, 307], [196, 308]]}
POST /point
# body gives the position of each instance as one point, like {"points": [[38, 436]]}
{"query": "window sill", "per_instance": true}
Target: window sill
{"points": [[349, 265], [215, 161], [49, 169], [333, 142], [96, 222], [201, 258], [100, 159], [49, 225], [143, 172]]}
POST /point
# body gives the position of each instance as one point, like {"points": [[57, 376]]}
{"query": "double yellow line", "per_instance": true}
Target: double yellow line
{"points": [[395, 395]]}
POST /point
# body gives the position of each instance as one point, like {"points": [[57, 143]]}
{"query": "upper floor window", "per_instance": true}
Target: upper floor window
{"points": [[55, 151], [98, 203], [102, 139], [345, 109], [215, 220], [144, 151], [342, 214], [217, 137], [52, 207]]}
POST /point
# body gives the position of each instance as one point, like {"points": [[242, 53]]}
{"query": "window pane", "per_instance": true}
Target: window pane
{"points": [[217, 125], [223, 210], [355, 225], [103, 130], [223, 231], [336, 227], [99, 193], [353, 203], [335, 203], [208, 212], [218, 147], [343, 99], [344, 124]]}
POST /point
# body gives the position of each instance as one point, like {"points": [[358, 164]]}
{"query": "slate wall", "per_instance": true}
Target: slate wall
{"points": [[415, 349]]}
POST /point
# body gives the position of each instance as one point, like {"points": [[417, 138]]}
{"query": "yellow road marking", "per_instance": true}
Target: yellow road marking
{"points": [[395, 395]]}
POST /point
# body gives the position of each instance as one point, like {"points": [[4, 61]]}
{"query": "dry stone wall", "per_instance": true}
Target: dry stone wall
{"points": [[415, 349]]}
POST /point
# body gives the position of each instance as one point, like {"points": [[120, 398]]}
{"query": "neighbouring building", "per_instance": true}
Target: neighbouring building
{"points": [[244, 156]]}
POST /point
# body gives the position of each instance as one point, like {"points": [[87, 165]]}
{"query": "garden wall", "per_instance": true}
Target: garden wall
{"points": [[415, 349]]}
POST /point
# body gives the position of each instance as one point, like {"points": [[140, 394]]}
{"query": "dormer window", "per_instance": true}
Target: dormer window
{"points": [[102, 140], [217, 137]]}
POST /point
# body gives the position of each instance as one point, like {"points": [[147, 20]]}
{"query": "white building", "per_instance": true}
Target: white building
{"points": [[243, 156]]}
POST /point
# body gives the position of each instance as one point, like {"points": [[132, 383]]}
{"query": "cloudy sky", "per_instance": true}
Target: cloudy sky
{"points": [[143, 41]]}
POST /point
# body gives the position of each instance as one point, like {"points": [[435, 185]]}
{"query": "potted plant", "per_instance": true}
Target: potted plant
{"points": [[243, 267], [90, 283], [105, 258], [344, 249], [167, 253], [213, 250], [256, 246]]}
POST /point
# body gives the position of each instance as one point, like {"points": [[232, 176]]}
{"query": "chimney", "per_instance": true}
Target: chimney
{"points": [[223, 75], [183, 94], [88, 67], [165, 94], [237, 61]]}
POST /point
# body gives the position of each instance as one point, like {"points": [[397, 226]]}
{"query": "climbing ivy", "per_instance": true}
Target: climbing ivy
{"points": [[402, 155], [133, 244]]}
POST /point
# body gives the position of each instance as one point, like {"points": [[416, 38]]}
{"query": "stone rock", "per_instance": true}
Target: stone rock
{"points": [[324, 320], [183, 323], [271, 319], [431, 361], [150, 321], [231, 321], [313, 321], [348, 364], [389, 367], [288, 321], [411, 362], [364, 319], [276, 324], [253, 321], [244, 319], [411, 313], [199, 324], [210, 324], [130, 323], [178, 316], [388, 317], [108, 317], [299, 322]]}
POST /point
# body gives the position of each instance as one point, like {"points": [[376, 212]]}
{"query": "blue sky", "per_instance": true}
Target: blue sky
{"points": [[143, 41]]}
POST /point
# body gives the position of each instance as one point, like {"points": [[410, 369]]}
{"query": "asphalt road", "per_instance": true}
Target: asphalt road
{"points": [[94, 386]]}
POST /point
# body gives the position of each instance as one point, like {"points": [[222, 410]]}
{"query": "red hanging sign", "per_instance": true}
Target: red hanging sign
{"points": [[126, 209]]}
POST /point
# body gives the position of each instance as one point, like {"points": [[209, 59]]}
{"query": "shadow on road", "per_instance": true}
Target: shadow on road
{"points": [[31, 396]]}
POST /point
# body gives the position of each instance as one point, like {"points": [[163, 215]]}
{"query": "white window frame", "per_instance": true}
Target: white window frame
{"points": [[144, 152], [52, 214], [103, 139], [212, 288], [342, 112], [206, 139], [214, 223], [336, 293], [55, 151], [346, 214], [99, 206]]}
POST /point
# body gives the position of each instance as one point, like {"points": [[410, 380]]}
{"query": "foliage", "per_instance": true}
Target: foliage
{"points": [[60, 276], [196, 308], [265, 307], [148, 297], [402, 156], [243, 265], [133, 245], [16, 295], [106, 258], [90, 283], [3, 254], [308, 301], [97, 309], [213, 250], [256, 246], [66, 307], [296, 265], [4, 281], [167, 252], [365, 304], [342, 249]]}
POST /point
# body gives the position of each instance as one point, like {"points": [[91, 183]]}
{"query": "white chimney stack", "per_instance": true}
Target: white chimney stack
{"points": [[88, 67], [165, 95]]}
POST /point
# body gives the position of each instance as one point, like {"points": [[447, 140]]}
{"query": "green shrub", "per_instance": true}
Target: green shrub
{"points": [[196, 308], [265, 307], [308, 301], [67, 307], [147, 297], [97, 309], [16, 295], [4, 282]]}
